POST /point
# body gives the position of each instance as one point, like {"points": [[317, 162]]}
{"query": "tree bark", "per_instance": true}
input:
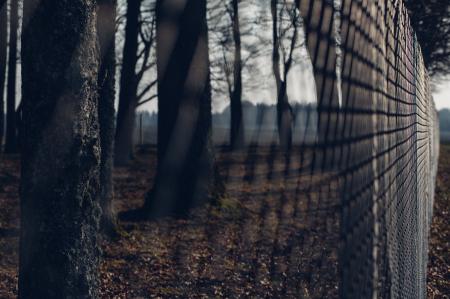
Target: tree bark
{"points": [[11, 118], [185, 172], [284, 118], [60, 151], [128, 87], [3, 57], [237, 125], [106, 16]]}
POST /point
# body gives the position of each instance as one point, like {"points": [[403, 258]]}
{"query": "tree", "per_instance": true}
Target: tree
{"points": [[237, 126], [185, 172], [60, 151], [106, 16], [3, 57], [146, 67], [231, 59], [128, 86], [282, 59], [431, 22], [145, 56], [11, 117]]}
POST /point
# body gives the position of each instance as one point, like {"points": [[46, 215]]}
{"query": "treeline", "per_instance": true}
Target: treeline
{"points": [[259, 123]]}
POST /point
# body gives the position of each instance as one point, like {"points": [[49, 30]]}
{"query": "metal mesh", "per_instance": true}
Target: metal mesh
{"points": [[389, 124]]}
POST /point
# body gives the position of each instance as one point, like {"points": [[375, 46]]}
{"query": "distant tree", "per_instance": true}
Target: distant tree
{"points": [[285, 25], [137, 62], [229, 24], [3, 60], [128, 86], [11, 143], [106, 16], [185, 172], [146, 61], [431, 22], [60, 151], [237, 124], [146, 66]]}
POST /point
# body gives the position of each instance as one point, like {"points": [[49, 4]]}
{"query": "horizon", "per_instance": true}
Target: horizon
{"points": [[256, 103]]}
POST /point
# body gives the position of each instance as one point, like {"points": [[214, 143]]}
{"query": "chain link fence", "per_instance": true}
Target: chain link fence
{"points": [[381, 134]]}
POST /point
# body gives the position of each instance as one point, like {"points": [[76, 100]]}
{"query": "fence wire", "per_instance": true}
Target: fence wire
{"points": [[389, 149]]}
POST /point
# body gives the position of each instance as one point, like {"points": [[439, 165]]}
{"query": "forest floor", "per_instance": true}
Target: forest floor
{"points": [[269, 238]]}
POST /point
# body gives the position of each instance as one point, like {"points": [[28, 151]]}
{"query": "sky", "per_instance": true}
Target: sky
{"points": [[442, 94]]}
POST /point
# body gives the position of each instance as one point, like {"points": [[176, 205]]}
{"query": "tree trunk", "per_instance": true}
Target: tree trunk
{"points": [[3, 57], [106, 16], [237, 126], [284, 118], [128, 87], [60, 151], [275, 45], [11, 119], [185, 173]]}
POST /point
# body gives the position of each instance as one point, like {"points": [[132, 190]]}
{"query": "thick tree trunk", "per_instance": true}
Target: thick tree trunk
{"points": [[185, 153], [3, 57], [128, 87], [106, 16], [11, 118], [60, 151], [185, 174], [237, 125]]}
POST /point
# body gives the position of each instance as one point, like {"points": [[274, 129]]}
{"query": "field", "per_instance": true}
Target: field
{"points": [[269, 238]]}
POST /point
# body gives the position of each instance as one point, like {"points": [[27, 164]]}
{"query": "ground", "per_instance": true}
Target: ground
{"points": [[269, 237], [439, 257]]}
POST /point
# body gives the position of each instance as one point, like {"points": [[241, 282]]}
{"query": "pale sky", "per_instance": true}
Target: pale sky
{"points": [[442, 94]]}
